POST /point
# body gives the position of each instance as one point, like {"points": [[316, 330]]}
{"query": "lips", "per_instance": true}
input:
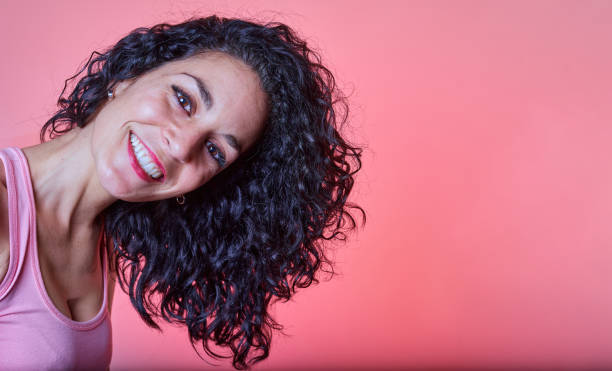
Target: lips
{"points": [[144, 161]]}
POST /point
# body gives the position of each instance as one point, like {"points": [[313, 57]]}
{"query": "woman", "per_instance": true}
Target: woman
{"points": [[198, 163]]}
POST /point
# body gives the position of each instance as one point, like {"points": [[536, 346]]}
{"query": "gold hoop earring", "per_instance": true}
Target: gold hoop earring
{"points": [[180, 199]]}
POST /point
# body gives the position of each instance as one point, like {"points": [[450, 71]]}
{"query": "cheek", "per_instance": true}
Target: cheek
{"points": [[195, 178], [112, 179], [151, 108]]}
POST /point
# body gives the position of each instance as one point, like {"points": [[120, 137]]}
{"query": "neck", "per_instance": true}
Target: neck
{"points": [[67, 191]]}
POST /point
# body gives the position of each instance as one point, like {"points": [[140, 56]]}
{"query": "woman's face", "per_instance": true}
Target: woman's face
{"points": [[172, 129]]}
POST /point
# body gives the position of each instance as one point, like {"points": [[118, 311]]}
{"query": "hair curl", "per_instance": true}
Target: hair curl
{"points": [[253, 233]]}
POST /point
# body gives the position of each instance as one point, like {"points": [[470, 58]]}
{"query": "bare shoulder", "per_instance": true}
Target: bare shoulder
{"points": [[4, 225]]}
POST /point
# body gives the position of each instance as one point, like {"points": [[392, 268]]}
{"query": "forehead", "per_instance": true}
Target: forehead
{"points": [[210, 64]]}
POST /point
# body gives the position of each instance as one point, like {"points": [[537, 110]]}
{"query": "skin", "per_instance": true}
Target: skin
{"points": [[76, 176]]}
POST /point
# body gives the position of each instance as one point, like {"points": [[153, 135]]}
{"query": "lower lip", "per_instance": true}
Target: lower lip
{"points": [[136, 166]]}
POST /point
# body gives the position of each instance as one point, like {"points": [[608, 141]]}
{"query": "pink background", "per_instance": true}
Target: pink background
{"points": [[486, 179]]}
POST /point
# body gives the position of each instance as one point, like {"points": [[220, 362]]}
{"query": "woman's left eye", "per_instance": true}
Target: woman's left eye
{"points": [[183, 99], [216, 153]]}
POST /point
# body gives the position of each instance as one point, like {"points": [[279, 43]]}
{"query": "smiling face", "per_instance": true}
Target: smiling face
{"points": [[172, 129]]}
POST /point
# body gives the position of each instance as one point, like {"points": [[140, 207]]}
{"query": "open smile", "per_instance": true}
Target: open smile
{"points": [[144, 161]]}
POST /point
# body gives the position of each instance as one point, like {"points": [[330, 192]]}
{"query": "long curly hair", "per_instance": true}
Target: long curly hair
{"points": [[254, 233]]}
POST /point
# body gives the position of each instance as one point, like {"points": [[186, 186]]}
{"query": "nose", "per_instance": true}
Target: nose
{"points": [[181, 142]]}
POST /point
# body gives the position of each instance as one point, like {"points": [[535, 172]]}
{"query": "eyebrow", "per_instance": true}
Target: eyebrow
{"points": [[231, 140], [204, 93], [207, 98]]}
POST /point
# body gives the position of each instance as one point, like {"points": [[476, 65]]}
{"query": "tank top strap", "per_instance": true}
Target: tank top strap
{"points": [[20, 213]]}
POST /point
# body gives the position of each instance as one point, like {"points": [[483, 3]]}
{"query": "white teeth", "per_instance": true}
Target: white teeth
{"points": [[142, 155]]}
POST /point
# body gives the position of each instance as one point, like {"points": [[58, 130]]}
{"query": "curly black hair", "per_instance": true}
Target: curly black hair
{"points": [[256, 231]]}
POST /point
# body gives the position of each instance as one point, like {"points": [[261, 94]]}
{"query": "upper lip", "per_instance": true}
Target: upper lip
{"points": [[152, 155]]}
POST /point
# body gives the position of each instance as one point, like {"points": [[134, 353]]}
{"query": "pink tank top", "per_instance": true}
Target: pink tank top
{"points": [[34, 335]]}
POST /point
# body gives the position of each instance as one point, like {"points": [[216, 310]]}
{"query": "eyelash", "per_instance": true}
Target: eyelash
{"points": [[180, 94], [216, 153]]}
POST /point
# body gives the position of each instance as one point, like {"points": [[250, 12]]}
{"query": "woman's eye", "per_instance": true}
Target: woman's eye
{"points": [[182, 99], [216, 154]]}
